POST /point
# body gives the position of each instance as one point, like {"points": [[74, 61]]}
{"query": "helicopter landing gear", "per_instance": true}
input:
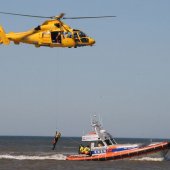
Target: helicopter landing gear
{"points": [[37, 45], [16, 43]]}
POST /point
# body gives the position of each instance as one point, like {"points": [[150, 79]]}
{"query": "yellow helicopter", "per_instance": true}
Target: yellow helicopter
{"points": [[52, 33]]}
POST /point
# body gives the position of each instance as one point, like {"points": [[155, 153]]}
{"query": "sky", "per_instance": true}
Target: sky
{"points": [[124, 78]]}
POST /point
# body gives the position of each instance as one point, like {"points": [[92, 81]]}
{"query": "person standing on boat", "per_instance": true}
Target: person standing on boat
{"points": [[87, 150], [81, 149], [55, 140]]}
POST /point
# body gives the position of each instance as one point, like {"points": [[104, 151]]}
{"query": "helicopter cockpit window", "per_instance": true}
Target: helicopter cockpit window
{"points": [[75, 35], [82, 34], [69, 34], [84, 40]]}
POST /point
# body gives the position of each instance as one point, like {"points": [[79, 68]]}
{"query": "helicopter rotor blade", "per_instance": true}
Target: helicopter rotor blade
{"points": [[61, 16], [97, 17], [35, 16]]}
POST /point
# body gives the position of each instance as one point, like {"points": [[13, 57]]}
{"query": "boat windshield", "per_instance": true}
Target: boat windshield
{"points": [[108, 142], [113, 141]]}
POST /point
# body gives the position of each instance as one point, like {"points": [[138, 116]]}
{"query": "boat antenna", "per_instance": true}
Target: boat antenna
{"points": [[92, 119], [101, 120], [56, 124]]}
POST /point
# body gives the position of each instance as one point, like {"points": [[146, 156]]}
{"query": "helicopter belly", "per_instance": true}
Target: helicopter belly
{"points": [[68, 42]]}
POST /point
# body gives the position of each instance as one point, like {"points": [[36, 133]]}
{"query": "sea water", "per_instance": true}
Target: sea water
{"points": [[29, 153]]}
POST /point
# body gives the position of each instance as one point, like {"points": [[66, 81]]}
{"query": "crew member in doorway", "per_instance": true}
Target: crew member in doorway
{"points": [[55, 140], [58, 38]]}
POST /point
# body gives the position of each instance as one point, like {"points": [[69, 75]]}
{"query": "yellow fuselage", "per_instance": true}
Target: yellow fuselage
{"points": [[43, 35]]}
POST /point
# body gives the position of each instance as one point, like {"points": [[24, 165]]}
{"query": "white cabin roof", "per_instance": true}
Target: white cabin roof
{"points": [[91, 136]]}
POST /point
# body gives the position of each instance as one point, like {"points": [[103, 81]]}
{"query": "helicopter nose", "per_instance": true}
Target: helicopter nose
{"points": [[92, 41]]}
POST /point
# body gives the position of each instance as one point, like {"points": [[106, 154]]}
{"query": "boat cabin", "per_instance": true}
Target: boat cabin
{"points": [[99, 139]]}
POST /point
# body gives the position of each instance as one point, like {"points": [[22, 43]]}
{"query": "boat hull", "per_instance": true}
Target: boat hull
{"points": [[148, 150]]}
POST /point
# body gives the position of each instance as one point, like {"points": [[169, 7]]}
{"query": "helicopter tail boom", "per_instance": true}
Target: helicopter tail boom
{"points": [[3, 39]]}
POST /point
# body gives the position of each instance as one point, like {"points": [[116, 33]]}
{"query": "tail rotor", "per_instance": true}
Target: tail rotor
{"points": [[3, 39]]}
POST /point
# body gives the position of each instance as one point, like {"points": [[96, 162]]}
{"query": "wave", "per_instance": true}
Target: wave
{"points": [[29, 157], [148, 159], [63, 157]]}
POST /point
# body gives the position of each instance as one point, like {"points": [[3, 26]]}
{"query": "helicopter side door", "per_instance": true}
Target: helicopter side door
{"points": [[56, 37]]}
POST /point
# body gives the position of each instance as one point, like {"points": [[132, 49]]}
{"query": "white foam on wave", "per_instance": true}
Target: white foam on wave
{"points": [[63, 157], [148, 159], [27, 157]]}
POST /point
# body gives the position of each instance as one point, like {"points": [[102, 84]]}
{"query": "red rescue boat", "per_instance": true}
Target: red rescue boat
{"points": [[102, 147]]}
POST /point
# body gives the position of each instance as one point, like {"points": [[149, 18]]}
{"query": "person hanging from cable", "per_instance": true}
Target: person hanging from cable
{"points": [[55, 140]]}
